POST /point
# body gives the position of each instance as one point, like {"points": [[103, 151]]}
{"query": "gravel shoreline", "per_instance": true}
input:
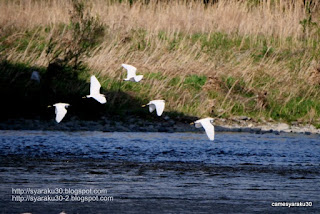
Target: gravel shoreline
{"points": [[134, 124]]}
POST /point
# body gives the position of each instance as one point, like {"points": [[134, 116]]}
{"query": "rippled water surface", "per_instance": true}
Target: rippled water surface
{"points": [[162, 172]]}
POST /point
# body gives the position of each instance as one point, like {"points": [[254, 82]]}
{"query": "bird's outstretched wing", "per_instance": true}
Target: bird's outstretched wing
{"points": [[152, 107], [209, 128], [94, 85], [197, 125], [100, 98], [131, 71], [159, 108], [60, 112], [138, 78]]}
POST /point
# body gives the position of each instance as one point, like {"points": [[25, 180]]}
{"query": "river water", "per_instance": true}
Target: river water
{"points": [[158, 172]]}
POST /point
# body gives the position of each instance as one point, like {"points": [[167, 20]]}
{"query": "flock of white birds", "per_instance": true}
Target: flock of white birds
{"points": [[158, 105]]}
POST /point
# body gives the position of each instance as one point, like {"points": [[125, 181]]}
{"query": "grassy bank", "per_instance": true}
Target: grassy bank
{"points": [[222, 60]]}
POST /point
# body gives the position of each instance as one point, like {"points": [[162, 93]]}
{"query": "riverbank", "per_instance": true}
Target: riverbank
{"points": [[222, 61], [166, 124]]}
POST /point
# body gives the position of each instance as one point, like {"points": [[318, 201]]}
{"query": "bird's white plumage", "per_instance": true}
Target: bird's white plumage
{"points": [[206, 123], [60, 110], [152, 107], [100, 98], [95, 90], [197, 125], [94, 85], [158, 105], [131, 70], [137, 78], [131, 73]]}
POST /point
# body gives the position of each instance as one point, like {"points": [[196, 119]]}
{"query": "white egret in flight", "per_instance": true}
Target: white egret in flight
{"points": [[35, 76], [131, 73], [60, 110], [157, 105], [206, 123], [95, 90]]}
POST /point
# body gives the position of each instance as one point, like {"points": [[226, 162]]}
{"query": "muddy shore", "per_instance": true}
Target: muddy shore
{"points": [[166, 124]]}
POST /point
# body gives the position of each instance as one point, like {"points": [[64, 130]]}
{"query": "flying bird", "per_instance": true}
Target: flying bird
{"points": [[35, 76], [157, 105], [131, 73], [206, 123], [60, 110], [95, 91]]}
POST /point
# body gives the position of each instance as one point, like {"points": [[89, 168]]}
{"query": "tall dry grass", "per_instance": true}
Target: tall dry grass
{"points": [[143, 24], [280, 20]]}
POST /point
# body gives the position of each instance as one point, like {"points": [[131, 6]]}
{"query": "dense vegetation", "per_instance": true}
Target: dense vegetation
{"points": [[254, 58]]}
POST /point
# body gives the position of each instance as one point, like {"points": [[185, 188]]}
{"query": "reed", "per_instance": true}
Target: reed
{"points": [[259, 58]]}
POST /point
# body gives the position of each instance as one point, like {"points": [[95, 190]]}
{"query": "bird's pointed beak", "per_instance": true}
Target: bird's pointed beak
{"points": [[49, 106], [192, 123], [84, 97], [143, 106]]}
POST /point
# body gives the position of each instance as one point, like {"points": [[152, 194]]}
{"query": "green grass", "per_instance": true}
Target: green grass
{"points": [[218, 46], [295, 109], [175, 81], [194, 82], [155, 75]]}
